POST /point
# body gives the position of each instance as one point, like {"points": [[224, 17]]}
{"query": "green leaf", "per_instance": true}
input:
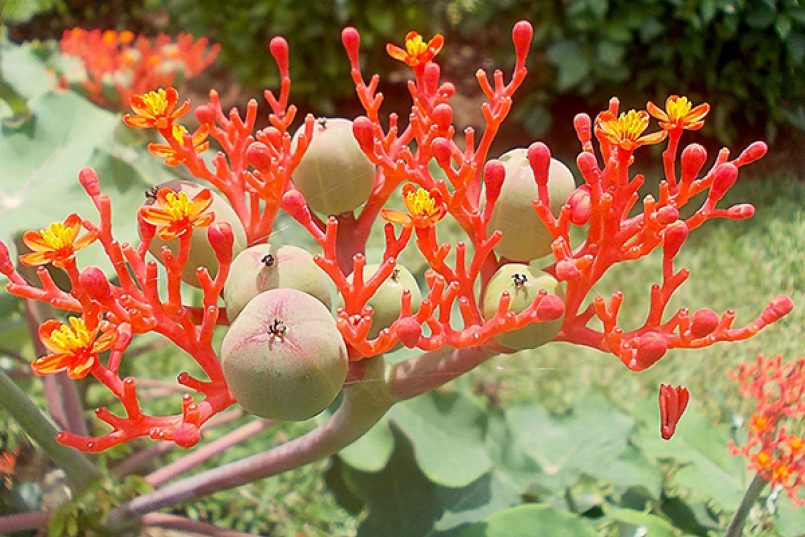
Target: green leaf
{"points": [[708, 470], [41, 160], [571, 63], [790, 519], [528, 521], [644, 523], [23, 70], [372, 451], [447, 431], [590, 438]]}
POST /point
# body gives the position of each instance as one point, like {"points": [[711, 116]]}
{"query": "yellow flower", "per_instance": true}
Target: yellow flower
{"points": [[74, 347], [178, 214], [679, 113], [57, 243], [417, 52], [173, 157], [625, 130], [155, 109], [425, 208]]}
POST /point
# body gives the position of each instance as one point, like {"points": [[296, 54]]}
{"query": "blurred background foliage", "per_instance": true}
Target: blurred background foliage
{"points": [[745, 57]]}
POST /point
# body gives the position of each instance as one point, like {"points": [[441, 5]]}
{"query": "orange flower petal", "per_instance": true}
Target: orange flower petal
{"points": [[396, 52], [35, 259], [201, 202], [81, 369], [436, 44], [104, 343], [698, 113], [34, 241], [155, 216], [45, 330], [88, 238], [653, 138], [204, 220], [137, 122], [394, 216], [52, 363], [182, 110], [656, 111]]}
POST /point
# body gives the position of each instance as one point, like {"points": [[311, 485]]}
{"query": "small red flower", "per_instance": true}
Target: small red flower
{"points": [[155, 109], [417, 52], [74, 347], [175, 158], [673, 402], [57, 243], [425, 208], [177, 214], [679, 113], [625, 130]]}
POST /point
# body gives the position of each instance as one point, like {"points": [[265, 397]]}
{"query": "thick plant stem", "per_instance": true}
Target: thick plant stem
{"points": [[23, 522], [79, 469], [736, 527], [364, 402], [175, 522]]}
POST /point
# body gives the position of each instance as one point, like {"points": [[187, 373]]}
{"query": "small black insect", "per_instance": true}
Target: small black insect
{"points": [[278, 329], [268, 260], [519, 279]]}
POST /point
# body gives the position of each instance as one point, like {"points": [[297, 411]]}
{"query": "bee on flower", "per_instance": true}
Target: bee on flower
{"points": [[175, 214]]}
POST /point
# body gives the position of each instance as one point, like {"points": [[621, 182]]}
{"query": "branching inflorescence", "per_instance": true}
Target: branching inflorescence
{"points": [[253, 171], [113, 66]]}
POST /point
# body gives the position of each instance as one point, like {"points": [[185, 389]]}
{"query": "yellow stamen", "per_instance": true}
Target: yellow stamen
{"points": [[156, 102], [73, 337], [678, 108], [178, 206], [420, 203], [57, 236], [178, 133], [416, 45]]}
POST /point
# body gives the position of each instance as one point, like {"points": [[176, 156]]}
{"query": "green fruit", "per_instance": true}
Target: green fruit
{"points": [[263, 267], [283, 357], [522, 284], [524, 236], [201, 253], [334, 175], [387, 299]]}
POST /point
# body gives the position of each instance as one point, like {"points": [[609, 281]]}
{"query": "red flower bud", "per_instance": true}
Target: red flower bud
{"points": [[258, 155], [693, 159], [667, 215], [205, 114], [440, 147], [583, 126], [187, 435], [494, 175], [295, 205], [539, 156], [6, 266], [351, 40], [675, 236], [364, 132], [279, 50], [673, 402], [443, 115], [550, 308], [581, 207], [566, 270], [94, 282], [755, 151], [741, 211], [780, 306], [704, 322], [521, 37], [725, 177], [408, 331], [221, 239], [650, 347], [89, 180], [587, 165]]}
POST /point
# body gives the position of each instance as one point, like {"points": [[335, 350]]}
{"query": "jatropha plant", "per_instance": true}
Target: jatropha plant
{"points": [[110, 67], [522, 277]]}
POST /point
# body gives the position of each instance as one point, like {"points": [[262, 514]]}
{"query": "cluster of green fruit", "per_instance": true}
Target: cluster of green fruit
{"points": [[283, 356]]}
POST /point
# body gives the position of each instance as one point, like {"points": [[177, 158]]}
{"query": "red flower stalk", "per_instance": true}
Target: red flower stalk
{"points": [[775, 444], [114, 66], [673, 402]]}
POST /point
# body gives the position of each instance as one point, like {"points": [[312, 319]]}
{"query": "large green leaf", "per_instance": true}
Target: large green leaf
{"points": [[23, 70], [447, 431], [790, 519], [636, 523], [40, 161], [371, 452], [708, 470], [528, 521], [593, 436]]}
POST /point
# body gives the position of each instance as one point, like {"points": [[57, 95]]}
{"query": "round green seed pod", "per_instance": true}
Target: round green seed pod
{"points": [[524, 236], [283, 357], [522, 284], [201, 252], [334, 175], [262, 267], [386, 300]]}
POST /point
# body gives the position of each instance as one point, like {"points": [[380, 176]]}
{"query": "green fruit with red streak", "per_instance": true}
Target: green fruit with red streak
{"points": [[386, 301], [522, 284], [524, 236], [201, 252], [283, 357], [334, 175], [262, 267]]}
